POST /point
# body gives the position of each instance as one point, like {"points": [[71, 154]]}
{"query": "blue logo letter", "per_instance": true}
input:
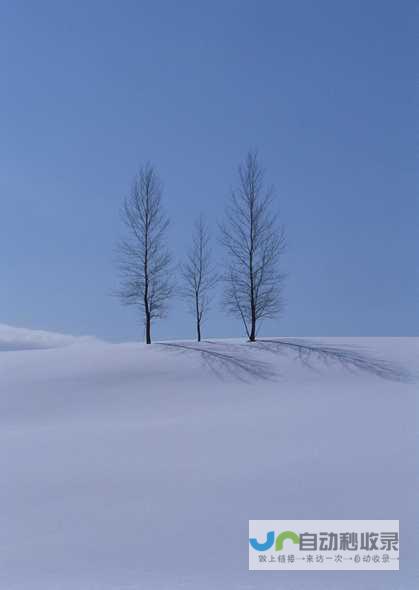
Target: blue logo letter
{"points": [[270, 539]]}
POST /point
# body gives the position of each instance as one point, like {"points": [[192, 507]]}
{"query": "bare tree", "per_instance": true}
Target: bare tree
{"points": [[198, 275], [144, 260], [254, 241]]}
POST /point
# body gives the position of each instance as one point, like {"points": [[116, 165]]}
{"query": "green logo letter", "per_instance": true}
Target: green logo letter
{"points": [[286, 535]]}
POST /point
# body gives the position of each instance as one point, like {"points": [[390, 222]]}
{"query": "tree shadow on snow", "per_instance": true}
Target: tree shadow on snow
{"points": [[313, 354], [227, 359], [239, 360]]}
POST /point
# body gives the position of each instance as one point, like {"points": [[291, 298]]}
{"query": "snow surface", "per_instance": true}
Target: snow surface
{"points": [[137, 468]]}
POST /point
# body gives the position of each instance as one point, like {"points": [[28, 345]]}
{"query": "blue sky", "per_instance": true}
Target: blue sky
{"points": [[325, 91]]}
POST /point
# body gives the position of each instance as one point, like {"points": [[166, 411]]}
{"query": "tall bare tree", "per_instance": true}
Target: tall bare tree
{"points": [[198, 275], [144, 259], [254, 241]]}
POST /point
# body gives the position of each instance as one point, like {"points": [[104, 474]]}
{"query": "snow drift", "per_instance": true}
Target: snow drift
{"points": [[12, 338], [129, 467]]}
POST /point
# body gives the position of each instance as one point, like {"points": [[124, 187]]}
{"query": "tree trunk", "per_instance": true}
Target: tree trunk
{"points": [[198, 318], [146, 304], [252, 336], [148, 329]]}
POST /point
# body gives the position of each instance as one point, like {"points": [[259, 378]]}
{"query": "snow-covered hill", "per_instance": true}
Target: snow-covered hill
{"points": [[128, 467]]}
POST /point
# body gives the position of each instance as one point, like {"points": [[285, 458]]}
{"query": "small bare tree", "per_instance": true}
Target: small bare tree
{"points": [[254, 242], [144, 260], [198, 275]]}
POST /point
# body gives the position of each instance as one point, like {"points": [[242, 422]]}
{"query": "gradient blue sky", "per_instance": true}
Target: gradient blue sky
{"points": [[325, 90]]}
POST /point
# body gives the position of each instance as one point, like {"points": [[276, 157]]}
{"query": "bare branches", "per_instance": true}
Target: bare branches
{"points": [[198, 275], [254, 242], [252, 237], [144, 259]]}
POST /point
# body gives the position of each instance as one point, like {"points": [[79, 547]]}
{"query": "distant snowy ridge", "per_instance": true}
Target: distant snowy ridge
{"points": [[12, 338]]}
